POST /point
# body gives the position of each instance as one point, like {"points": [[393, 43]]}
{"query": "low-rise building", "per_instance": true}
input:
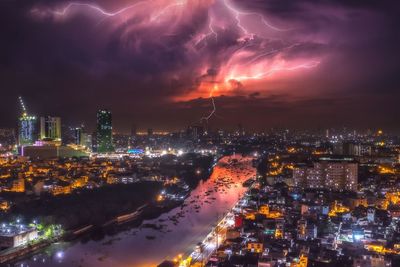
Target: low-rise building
{"points": [[14, 236]]}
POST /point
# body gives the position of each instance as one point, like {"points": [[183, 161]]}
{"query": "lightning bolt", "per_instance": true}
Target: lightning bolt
{"points": [[237, 13], [308, 65], [96, 8], [207, 118], [261, 55], [238, 57], [212, 31], [261, 75], [165, 9], [70, 7]]}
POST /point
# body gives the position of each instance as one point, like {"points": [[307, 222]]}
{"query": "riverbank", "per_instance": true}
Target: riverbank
{"points": [[100, 225], [110, 227], [205, 250], [157, 237]]}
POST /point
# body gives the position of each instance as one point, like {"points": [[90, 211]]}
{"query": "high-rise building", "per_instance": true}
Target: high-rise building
{"points": [[27, 130], [88, 140], [78, 135], [328, 173], [50, 128], [7, 137], [27, 127], [82, 138], [104, 142]]}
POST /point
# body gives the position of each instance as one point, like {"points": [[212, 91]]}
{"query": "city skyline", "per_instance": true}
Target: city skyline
{"points": [[294, 65], [203, 123], [192, 133]]}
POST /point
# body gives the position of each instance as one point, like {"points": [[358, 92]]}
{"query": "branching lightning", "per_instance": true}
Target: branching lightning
{"points": [[166, 9], [262, 75], [268, 53], [246, 58], [101, 11], [212, 31], [96, 8], [238, 14], [214, 110]]}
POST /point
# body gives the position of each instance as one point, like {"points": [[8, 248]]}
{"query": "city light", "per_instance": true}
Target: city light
{"points": [[193, 133]]}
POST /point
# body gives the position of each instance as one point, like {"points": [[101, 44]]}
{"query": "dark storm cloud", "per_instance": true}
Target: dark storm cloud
{"points": [[72, 67]]}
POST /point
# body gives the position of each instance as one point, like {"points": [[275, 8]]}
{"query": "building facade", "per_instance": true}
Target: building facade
{"points": [[328, 173], [7, 137], [104, 141], [50, 128], [11, 237], [347, 148], [27, 130]]}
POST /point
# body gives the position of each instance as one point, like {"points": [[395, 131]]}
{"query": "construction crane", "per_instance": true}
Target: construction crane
{"points": [[23, 107]]}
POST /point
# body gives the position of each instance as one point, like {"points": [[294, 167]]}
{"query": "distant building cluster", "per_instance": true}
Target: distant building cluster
{"points": [[43, 138], [328, 198]]}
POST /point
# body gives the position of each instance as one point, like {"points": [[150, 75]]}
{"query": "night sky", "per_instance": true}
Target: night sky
{"points": [[266, 63]]}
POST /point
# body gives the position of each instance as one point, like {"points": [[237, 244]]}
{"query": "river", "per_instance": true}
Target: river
{"points": [[146, 246]]}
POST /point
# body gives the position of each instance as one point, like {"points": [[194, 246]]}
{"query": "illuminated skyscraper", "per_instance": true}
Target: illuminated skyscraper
{"points": [[27, 130], [78, 135], [104, 142], [27, 127], [50, 128]]}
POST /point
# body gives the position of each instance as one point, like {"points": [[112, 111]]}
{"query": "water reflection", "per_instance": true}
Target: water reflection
{"points": [[173, 233]]}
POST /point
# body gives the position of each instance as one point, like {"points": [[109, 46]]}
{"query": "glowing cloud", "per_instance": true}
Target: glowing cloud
{"points": [[221, 52]]}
